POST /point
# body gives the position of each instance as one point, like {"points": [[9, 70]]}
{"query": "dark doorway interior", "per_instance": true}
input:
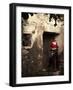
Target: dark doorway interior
{"points": [[47, 39]]}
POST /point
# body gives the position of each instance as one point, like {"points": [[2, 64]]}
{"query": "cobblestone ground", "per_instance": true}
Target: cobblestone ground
{"points": [[33, 67]]}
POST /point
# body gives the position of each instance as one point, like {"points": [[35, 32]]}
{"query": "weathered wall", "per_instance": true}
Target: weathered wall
{"points": [[38, 23]]}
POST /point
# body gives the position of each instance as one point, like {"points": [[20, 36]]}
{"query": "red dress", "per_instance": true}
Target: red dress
{"points": [[53, 45], [54, 52]]}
